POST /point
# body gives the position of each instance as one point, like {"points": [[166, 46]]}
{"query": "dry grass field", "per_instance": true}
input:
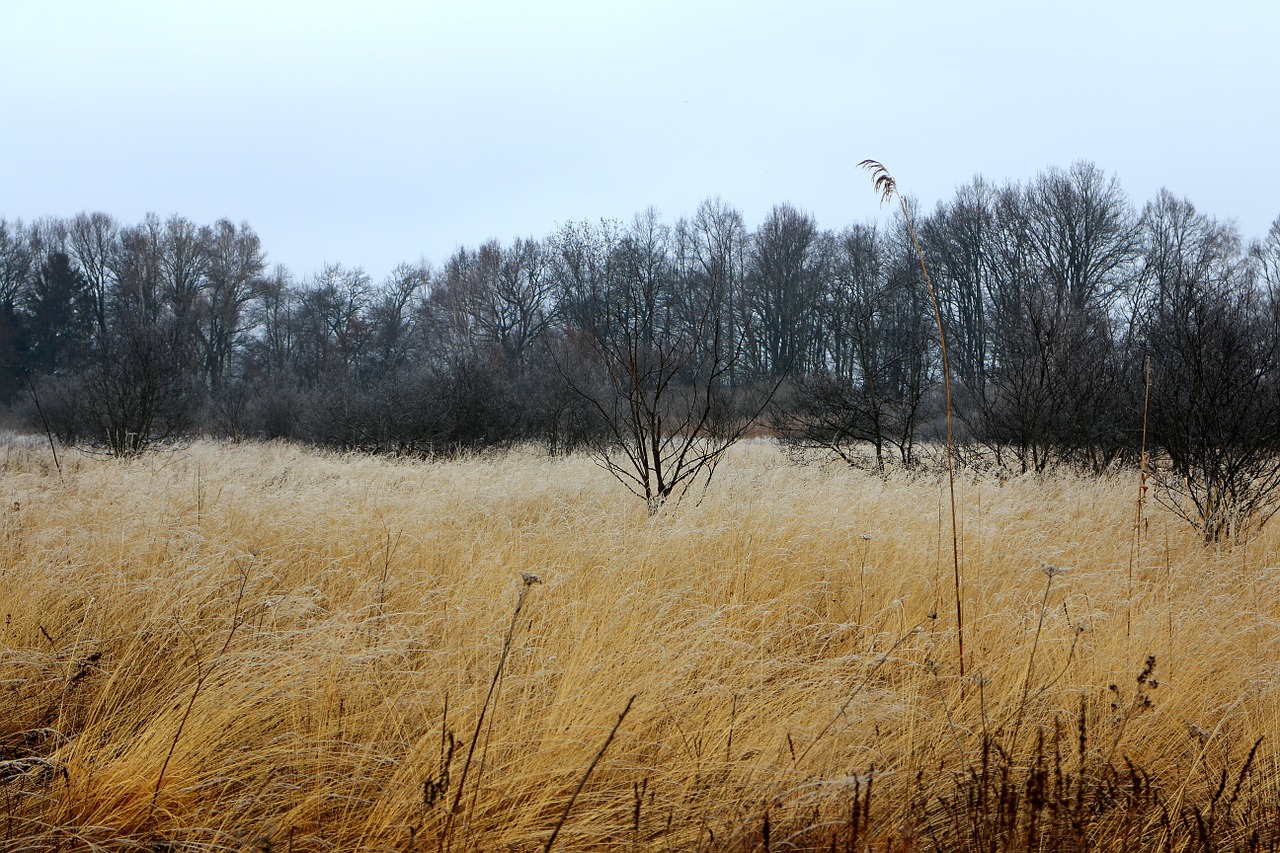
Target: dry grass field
{"points": [[262, 647]]}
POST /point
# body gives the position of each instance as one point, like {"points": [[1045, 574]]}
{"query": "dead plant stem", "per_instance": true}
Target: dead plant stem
{"points": [[202, 675], [582, 783], [1135, 542], [529, 580]]}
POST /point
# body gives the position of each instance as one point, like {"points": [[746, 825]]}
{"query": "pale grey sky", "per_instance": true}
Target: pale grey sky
{"points": [[374, 132]]}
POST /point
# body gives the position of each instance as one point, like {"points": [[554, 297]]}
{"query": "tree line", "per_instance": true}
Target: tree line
{"points": [[1082, 331]]}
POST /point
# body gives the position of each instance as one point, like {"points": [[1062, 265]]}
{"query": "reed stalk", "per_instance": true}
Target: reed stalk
{"points": [[888, 188]]}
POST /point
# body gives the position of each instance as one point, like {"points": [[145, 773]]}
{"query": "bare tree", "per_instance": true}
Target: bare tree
{"points": [[583, 257], [17, 263], [1265, 255], [710, 253], [1084, 235], [184, 266], [234, 265], [393, 315], [138, 270], [785, 282], [1055, 260], [1215, 383], [520, 304], [656, 380], [496, 296], [878, 356], [94, 240], [17, 260], [273, 325], [957, 241], [333, 332]]}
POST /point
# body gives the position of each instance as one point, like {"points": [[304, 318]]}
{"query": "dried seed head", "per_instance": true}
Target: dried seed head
{"points": [[884, 183], [1051, 570]]}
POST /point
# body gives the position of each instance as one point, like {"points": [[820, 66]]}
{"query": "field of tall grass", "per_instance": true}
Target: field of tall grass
{"points": [[263, 647]]}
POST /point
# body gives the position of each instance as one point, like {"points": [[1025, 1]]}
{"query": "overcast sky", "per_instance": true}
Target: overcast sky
{"points": [[370, 133]]}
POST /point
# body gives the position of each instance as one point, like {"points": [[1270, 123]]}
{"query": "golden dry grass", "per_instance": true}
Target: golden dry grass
{"points": [[779, 636]]}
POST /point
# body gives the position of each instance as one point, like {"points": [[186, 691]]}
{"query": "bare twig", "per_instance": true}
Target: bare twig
{"points": [[202, 677], [48, 431], [1050, 572], [583, 781]]}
